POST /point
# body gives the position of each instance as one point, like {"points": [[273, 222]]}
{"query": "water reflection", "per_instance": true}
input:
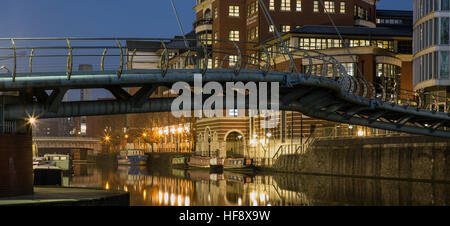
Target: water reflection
{"points": [[178, 187]]}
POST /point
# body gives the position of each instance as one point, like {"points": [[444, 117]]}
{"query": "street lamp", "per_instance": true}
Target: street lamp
{"points": [[32, 120], [360, 133], [269, 135]]}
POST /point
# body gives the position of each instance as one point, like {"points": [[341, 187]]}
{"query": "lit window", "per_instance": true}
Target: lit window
{"points": [[234, 36], [329, 6], [285, 28], [285, 5], [233, 113], [233, 11], [271, 28], [316, 6], [252, 8], [298, 7], [232, 60], [272, 5], [342, 8], [251, 34], [210, 63], [216, 62]]}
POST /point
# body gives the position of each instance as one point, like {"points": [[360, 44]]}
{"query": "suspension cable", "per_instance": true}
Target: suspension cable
{"points": [[271, 22], [342, 39], [179, 24]]}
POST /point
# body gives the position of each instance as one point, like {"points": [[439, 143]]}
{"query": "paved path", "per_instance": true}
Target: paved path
{"points": [[66, 196]]}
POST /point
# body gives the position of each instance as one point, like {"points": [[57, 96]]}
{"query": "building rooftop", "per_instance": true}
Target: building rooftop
{"points": [[144, 46], [350, 30], [394, 13]]}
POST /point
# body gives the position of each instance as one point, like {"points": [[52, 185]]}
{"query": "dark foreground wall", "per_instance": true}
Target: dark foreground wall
{"points": [[409, 157], [16, 165]]}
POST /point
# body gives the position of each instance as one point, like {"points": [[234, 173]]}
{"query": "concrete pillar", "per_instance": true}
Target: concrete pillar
{"points": [[16, 165], [16, 150]]}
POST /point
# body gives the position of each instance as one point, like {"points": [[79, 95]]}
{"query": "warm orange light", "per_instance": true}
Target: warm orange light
{"points": [[126, 136], [107, 138], [144, 134], [360, 133], [32, 120], [107, 186], [180, 130]]}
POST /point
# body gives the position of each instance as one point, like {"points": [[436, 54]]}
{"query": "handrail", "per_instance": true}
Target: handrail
{"points": [[200, 51]]}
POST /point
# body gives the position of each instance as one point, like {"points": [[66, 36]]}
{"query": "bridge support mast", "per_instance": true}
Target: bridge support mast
{"points": [[16, 163]]}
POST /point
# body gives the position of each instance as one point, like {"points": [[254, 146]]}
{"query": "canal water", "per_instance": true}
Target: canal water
{"points": [[180, 187]]}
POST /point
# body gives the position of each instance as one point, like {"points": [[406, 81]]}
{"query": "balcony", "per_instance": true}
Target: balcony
{"points": [[203, 25]]}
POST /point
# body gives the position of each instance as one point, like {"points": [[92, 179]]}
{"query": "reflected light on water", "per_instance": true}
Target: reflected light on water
{"points": [[147, 189], [187, 201], [179, 200], [172, 199], [166, 198], [262, 197]]}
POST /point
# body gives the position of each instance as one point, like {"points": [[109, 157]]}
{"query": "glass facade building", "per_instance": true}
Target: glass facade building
{"points": [[431, 46]]}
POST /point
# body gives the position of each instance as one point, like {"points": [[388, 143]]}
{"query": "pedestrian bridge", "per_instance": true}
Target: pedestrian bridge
{"points": [[85, 143], [37, 73]]}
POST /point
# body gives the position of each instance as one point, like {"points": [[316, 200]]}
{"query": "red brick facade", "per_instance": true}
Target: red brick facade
{"points": [[16, 165]]}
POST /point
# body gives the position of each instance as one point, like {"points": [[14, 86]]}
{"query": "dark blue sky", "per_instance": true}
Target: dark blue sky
{"points": [[106, 18]]}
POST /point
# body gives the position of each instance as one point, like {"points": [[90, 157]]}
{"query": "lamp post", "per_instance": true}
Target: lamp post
{"points": [[269, 135]]}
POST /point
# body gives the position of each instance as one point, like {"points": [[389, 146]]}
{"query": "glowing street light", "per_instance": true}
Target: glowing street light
{"points": [[360, 133], [144, 134], [107, 138], [32, 120]]}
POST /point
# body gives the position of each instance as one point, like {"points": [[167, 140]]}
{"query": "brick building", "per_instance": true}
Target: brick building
{"points": [[380, 45]]}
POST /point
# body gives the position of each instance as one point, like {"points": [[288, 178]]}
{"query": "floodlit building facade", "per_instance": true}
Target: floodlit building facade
{"points": [[431, 51]]}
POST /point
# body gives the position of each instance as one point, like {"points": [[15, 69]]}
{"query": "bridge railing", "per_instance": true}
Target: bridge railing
{"points": [[25, 56]]}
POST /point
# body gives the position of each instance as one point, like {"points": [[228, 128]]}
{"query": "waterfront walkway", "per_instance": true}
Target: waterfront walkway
{"points": [[52, 196]]}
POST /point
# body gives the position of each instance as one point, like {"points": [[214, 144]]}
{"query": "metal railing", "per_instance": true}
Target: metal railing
{"points": [[203, 22], [35, 56]]}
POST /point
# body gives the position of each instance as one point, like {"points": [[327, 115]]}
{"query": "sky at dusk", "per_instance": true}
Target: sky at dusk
{"points": [[107, 18]]}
